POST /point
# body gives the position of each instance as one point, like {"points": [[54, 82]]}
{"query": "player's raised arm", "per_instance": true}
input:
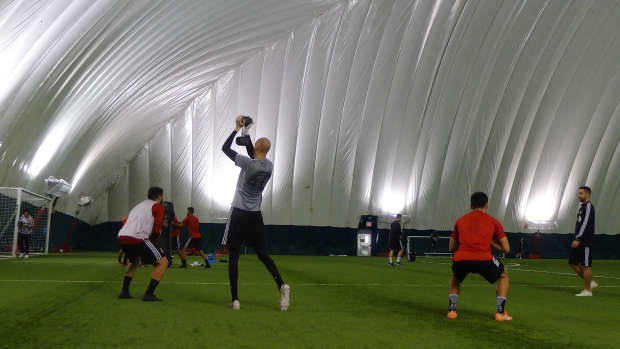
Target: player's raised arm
{"points": [[502, 245], [226, 146]]}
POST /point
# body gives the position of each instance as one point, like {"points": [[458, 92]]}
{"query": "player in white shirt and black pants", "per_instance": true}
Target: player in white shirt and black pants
{"points": [[145, 220], [25, 226], [581, 248]]}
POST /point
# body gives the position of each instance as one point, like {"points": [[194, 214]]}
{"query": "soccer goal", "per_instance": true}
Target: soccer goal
{"points": [[423, 247], [13, 202]]}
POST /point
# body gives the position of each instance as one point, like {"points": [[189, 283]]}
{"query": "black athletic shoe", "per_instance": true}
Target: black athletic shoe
{"points": [[151, 298], [399, 264], [124, 295], [391, 264], [183, 266], [208, 266]]}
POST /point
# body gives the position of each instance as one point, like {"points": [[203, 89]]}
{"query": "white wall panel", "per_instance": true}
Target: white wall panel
{"points": [[268, 109], [202, 156], [288, 123], [118, 195], [181, 161], [335, 91], [310, 108], [139, 177], [160, 157]]}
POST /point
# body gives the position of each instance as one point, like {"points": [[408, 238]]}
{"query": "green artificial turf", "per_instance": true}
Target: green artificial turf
{"points": [[70, 301]]}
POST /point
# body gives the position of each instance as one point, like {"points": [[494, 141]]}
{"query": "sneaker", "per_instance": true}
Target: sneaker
{"points": [[593, 285], [584, 293], [285, 301], [21, 255], [502, 317], [151, 298], [183, 266], [399, 264], [391, 264], [207, 266], [235, 305], [125, 295], [26, 255], [452, 314]]}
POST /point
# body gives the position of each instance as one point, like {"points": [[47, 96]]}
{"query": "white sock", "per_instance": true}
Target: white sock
{"points": [[398, 259], [390, 260]]}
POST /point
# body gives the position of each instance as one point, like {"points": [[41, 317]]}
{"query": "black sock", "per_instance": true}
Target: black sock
{"points": [[152, 285], [206, 261], [126, 282], [183, 261], [501, 303]]}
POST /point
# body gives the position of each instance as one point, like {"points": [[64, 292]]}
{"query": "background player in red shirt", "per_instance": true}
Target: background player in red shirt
{"points": [[471, 241], [195, 239], [175, 237]]}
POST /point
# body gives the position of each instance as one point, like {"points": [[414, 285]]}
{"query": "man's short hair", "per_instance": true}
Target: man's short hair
{"points": [[191, 210], [155, 192], [586, 189], [479, 200], [27, 210], [399, 215]]}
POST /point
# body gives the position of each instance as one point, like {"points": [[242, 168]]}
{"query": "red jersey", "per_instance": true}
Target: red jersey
{"points": [[175, 230], [474, 233], [191, 223]]}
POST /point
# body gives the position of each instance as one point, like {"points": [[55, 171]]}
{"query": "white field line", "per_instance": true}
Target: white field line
{"points": [[270, 284]]}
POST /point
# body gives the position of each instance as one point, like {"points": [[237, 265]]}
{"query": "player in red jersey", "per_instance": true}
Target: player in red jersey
{"points": [[471, 241]]}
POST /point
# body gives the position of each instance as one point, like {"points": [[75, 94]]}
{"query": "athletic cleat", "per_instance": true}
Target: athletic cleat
{"points": [[584, 293], [151, 298], [125, 295], [21, 255], [208, 266], [26, 255], [285, 301], [391, 264], [502, 317], [183, 266], [593, 285], [399, 264], [235, 305], [452, 314]]}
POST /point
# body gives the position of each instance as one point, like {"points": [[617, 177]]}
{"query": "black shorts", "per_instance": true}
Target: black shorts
{"points": [[490, 270], [244, 227], [581, 255], [175, 242], [146, 250], [195, 243], [396, 245]]}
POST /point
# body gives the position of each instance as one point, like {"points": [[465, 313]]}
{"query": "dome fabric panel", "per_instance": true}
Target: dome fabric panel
{"points": [[372, 106]]}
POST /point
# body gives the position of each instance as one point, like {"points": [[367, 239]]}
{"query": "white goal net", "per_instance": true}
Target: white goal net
{"points": [[13, 203]]}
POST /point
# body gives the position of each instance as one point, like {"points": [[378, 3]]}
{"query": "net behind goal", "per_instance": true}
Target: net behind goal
{"points": [[13, 202]]}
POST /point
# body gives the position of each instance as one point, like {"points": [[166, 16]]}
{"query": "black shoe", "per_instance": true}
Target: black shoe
{"points": [[391, 264], [398, 263], [124, 295], [208, 266], [183, 266], [151, 298]]}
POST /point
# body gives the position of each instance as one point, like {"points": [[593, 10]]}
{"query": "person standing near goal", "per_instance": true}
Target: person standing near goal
{"points": [[145, 220], [25, 226], [396, 240], [471, 241], [245, 221], [581, 248]]}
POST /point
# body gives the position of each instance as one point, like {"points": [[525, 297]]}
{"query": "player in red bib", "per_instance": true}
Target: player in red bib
{"points": [[195, 239], [471, 241]]}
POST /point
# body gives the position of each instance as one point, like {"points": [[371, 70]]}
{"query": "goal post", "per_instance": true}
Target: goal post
{"points": [[13, 202]]}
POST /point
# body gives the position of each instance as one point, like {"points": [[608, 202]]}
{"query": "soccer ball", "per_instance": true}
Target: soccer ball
{"points": [[61, 251]]}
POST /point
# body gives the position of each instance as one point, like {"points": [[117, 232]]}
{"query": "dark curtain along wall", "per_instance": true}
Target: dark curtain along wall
{"points": [[321, 241]]}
